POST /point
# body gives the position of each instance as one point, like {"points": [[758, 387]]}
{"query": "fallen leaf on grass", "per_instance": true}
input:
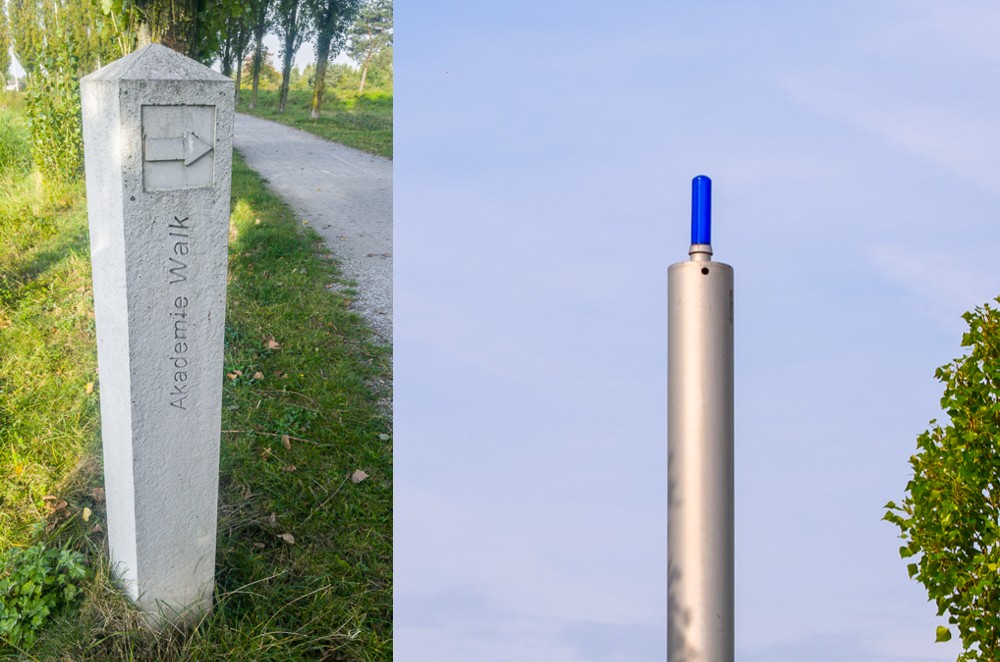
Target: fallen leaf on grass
{"points": [[288, 538], [383, 437], [256, 221], [273, 520], [58, 510], [258, 545], [258, 375], [98, 494], [286, 441], [53, 502], [289, 468], [86, 514], [234, 374], [89, 388], [272, 343], [358, 476], [97, 528]]}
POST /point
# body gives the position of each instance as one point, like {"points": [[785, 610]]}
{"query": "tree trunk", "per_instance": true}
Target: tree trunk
{"points": [[368, 59], [258, 56], [226, 57], [173, 23], [240, 49], [286, 75], [322, 56], [259, 27]]}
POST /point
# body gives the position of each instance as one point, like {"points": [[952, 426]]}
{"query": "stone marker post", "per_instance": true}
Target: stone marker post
{"points": [[158, 131]]}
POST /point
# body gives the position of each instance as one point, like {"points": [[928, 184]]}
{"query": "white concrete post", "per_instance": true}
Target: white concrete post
{"points": [[157, 129]]}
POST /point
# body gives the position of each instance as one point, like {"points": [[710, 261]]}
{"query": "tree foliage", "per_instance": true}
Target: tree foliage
{"points": [[174, 23], [5, 60], [331, 20], [950, 515], [371, 35], [58, 41], [53, 105], [266, 72], [192, 27], [26, 31]]}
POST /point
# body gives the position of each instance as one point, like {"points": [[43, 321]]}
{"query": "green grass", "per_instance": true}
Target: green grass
{"points": [[328, 595], [46, 348], [15, 156], [363, 122]]}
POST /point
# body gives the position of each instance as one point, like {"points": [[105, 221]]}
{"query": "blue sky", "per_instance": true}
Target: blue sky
{"points": [[543, 160]]}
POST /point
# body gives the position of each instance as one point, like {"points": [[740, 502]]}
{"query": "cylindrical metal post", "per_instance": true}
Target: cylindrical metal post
{"points": [[700, 459]]}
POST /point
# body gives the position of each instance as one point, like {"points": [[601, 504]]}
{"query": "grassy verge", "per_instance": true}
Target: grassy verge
{"points": [[363, 122], [301, 416]]}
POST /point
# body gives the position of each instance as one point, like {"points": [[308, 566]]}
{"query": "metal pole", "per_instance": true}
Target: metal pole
{"points": [[700, 448]]}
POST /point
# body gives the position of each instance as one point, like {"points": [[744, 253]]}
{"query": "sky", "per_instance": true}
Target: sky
{"points": [[543, 159]]}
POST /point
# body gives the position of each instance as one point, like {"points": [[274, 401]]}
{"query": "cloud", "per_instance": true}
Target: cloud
{"points": [[840, 647], [480, 580], [954, 136], [558, 561], [466, 625], [943, 283], [937, 28], [473, 637]]}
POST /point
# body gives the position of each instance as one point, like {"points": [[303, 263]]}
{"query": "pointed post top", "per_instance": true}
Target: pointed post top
{"points": [[156, 62]]}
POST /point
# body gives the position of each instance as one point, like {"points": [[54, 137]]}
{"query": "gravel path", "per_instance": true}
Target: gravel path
{"points": [[344, 194]]}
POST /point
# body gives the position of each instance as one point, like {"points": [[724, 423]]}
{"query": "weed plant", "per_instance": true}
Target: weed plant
{"points": [[35, 583]]}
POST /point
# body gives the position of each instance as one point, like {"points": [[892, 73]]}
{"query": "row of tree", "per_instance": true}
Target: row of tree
{"points": [[57, 41], [100, 30], [341, 76]]}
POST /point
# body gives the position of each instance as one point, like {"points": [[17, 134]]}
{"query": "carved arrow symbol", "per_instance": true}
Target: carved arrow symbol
{"points": [[188, 148]]}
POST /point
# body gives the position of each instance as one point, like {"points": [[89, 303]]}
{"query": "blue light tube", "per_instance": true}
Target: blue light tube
{"points": [[701, 210]]}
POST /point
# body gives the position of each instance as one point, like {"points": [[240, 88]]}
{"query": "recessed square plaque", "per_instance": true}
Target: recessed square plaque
{"points": [[178, 147]]}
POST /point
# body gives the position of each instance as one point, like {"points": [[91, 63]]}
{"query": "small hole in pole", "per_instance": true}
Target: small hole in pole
{"points": [[704, 270]]}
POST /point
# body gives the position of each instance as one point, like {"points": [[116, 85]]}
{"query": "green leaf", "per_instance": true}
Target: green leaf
{"points": [[943, 634]]}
